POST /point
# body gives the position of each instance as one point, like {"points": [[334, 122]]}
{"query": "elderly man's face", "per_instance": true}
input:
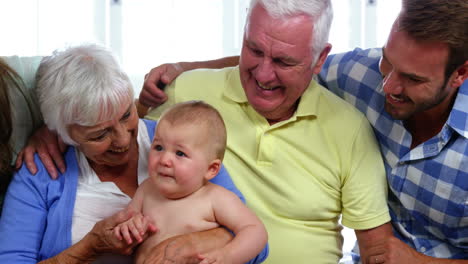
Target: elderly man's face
{"points": [[110, 143], [276, 63]]}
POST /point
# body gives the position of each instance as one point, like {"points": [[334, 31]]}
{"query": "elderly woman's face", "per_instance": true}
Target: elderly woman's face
{"points": [[109, 143]]}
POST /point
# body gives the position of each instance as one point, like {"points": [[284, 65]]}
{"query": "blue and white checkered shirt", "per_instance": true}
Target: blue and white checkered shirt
{"points": [[428, 185]]}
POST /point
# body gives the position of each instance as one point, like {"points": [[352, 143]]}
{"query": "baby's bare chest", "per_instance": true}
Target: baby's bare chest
{"points": [[175, 217]]}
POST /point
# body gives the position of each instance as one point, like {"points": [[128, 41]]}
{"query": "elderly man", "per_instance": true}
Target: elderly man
{"points": [[302, 156], [413, 94]]}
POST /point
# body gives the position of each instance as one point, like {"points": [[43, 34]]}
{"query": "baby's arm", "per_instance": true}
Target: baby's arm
{"points": [[250, 233], [138, 225]]}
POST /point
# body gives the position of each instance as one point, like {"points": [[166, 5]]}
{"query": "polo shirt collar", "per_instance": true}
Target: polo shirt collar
{"points": [[458, 119], [308, 104]]}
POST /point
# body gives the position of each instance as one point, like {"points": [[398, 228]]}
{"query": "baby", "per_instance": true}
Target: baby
{"points": [[186, 152]]}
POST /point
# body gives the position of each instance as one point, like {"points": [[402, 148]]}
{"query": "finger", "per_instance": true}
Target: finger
{"points": [[118, 218], [19, 160], [152, 95], [147, 99], [155, 76], [126, 234], [133, 230], [48, 162], [29, 160], [117, 233], [150, 226], [140, 224], [57, 155]]}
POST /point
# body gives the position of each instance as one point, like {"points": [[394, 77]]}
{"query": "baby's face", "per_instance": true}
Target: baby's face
{"points": [[178, 161]]}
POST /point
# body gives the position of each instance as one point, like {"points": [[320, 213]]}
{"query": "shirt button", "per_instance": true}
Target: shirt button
{"points": [[422, 249], [401, 162]]}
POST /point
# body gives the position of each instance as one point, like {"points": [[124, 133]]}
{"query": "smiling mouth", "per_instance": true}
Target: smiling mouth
{"points": [[396, 98], [393, 99], [120, 150], [263, 87]]}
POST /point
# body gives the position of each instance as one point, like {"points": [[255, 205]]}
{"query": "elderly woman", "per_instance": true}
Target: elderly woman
{"points": [[86, 98]]}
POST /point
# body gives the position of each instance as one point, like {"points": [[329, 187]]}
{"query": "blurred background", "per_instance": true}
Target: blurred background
{"points": [[146, 33]]}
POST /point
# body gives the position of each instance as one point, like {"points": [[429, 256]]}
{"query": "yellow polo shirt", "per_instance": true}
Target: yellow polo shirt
{"points": [[298, 175]]}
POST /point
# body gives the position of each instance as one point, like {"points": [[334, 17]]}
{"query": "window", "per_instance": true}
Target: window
{"points": [[146, 33]]}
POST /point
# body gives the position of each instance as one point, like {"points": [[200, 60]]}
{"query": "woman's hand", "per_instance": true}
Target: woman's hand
{"points": [[98, 241], [103, 240]]}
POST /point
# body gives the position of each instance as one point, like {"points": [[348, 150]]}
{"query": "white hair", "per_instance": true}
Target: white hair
{"points": [[81, 85], [320, 11]]}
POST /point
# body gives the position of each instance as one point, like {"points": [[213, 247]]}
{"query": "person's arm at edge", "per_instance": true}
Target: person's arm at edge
{"points": [[152, 94], [379, 243], [364, 192], [369, 238], [81, 252], [25, 212], [25, 207]]}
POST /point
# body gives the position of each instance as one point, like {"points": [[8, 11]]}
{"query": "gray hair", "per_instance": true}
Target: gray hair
{"points": [[320, 11], [81, 85]]}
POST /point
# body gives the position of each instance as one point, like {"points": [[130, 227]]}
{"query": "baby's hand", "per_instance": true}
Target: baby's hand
{"points": [[135, 227], [217, 256]]}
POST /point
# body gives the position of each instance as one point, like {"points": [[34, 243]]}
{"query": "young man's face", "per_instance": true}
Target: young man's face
{"points": [[178, 161], [414, 76], [276, 63]]}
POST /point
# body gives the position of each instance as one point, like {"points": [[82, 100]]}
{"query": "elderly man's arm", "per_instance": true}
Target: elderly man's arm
{"points": [[152, 94], [367, 239], [378, 246], [186, 248]]}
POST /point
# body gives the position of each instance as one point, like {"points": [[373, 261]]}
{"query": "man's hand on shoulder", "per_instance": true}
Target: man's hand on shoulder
{"points": [[50, 149]]}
